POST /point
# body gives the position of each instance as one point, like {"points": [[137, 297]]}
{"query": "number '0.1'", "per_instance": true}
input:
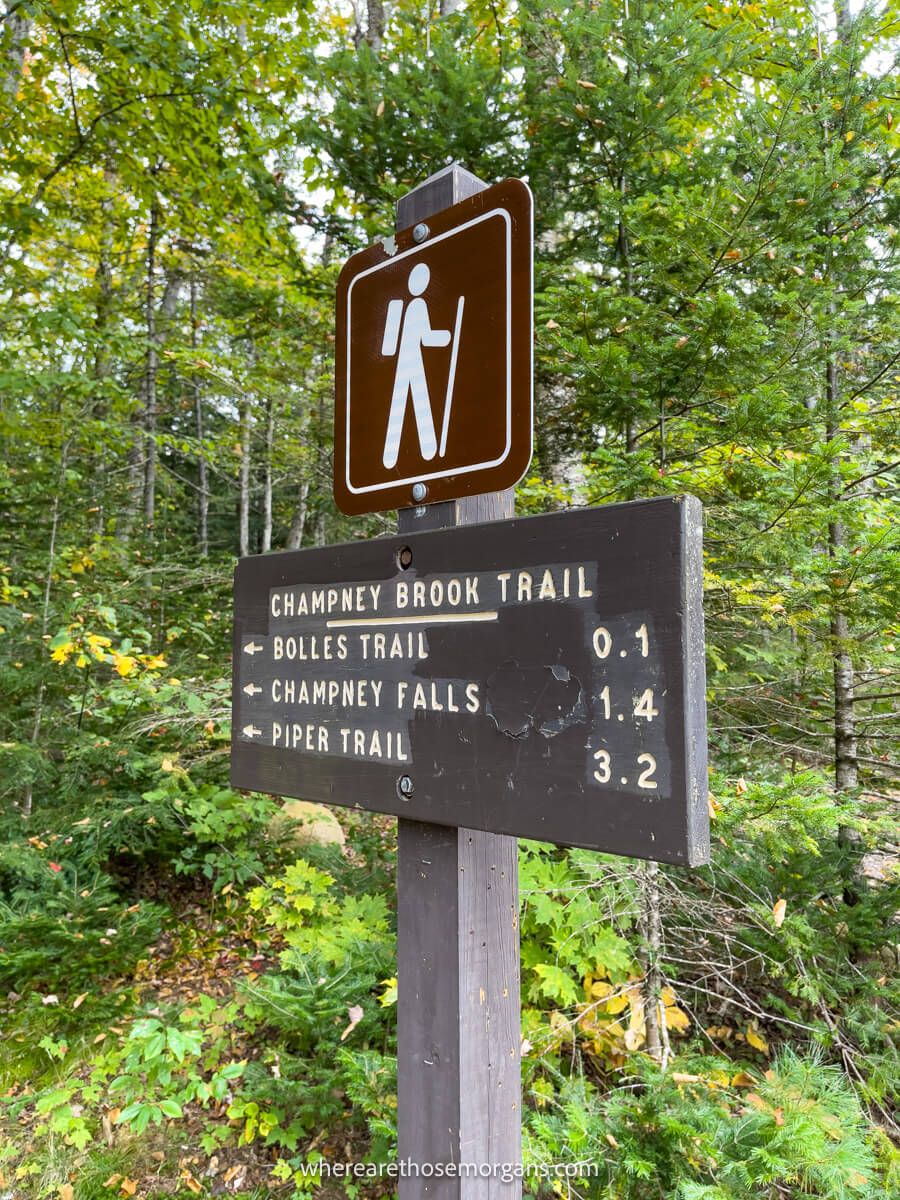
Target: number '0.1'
{"points": [[603, 642], [603, 769]]}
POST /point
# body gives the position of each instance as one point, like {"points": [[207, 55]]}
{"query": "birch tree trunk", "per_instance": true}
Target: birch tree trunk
{"points": [[267, 477], [17, 27], [101, 364], [150, 373], [651, 987], [202, 471], [28, 794], [244, 500], [298, 525], [375, 23]]}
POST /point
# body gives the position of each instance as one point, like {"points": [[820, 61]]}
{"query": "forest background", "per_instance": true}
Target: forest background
{"points": [[198, 993]]}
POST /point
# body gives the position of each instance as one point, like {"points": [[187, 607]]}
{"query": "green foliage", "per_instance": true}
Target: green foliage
{"points": [[797, 1130], [716, 312]]}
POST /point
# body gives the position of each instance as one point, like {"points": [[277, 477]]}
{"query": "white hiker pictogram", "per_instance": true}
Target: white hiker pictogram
{"points": [[408, 326]]}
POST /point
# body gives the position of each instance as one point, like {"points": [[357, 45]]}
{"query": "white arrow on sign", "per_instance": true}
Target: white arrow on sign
{"points": [[251, 731], [251, 689], [252, 648]]}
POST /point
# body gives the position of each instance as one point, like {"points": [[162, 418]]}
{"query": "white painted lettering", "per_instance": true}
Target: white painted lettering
{"points": [[548, 588]]}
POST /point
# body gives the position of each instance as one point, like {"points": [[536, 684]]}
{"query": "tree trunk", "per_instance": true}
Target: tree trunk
{"points": [[152, 366], [298, 525], [27, 798], [319, 527], [375, 23], [202, 472], [101, 365], [17, 27], [267, 477], [244, 501], [846, 767], [651, 985]]}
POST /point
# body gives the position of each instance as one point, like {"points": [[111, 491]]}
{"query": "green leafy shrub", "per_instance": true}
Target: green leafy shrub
{"points": [[709, 1133]]}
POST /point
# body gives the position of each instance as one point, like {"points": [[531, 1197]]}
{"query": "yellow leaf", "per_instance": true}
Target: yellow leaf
{"points": [[66, 1192], [79, 1000], [167, 765], [778, 911], [191, 1183], [757, 1040], [62, 653], [676, 1018], [128, 1187], [112, 1181], [742, 1079], [681, 1077], [849, 135], [586, 83], [124, 663], [612, 1141], [380, 109], [634, 1039], [97, 644]]}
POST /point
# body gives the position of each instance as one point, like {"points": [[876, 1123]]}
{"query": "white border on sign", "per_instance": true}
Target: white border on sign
{"points": [[389, 483]]}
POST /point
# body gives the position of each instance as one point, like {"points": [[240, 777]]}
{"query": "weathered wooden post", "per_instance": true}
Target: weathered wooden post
{"points": [[458, 1008], [478, 676]]}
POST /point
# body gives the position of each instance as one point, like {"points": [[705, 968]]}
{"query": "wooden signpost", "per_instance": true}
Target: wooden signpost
{"points": [[479, 677]]}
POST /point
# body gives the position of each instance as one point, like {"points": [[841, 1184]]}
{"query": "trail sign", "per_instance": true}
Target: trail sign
{"points": [[540, 677], [433, 357]]}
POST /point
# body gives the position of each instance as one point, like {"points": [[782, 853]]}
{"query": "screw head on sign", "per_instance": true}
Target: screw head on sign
{"points": [[419, 492], [420, 232], [405, 786]]}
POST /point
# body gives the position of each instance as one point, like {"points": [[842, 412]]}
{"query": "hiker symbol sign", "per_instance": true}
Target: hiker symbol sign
{"points": [[433, 371]]}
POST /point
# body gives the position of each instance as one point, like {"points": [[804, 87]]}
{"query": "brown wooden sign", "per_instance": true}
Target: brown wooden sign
{"points": [[433, 357], [540, 677]]}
